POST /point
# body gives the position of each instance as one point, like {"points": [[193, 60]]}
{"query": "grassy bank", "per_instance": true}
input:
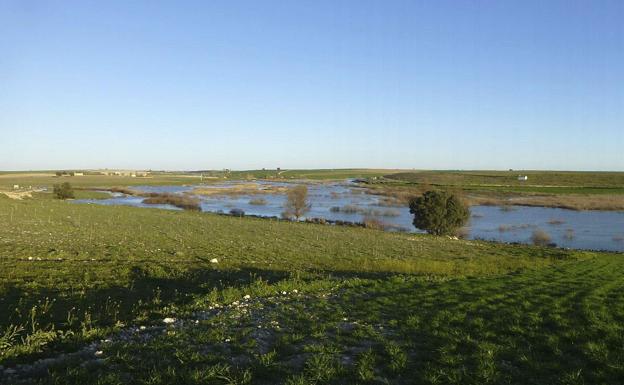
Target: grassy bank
{"points": [[326, 304], [536, 179], [569, 190]]}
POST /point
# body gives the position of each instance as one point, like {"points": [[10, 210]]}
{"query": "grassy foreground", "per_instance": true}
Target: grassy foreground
{"points": [[84, 290]]}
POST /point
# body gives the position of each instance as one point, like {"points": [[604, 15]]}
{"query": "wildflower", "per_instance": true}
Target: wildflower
{"points": [[142, 327], [247, 296], [214, 260], [169, 320], [99, 353], [295, 291]]}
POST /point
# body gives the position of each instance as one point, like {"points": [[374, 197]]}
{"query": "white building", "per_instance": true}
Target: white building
{"points": [[523, 177]]}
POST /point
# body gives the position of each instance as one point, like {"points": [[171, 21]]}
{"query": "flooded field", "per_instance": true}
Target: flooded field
{"points": [[596, 230]]}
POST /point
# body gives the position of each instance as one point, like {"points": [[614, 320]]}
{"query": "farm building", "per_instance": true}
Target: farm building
{"points": [[523, 177]]}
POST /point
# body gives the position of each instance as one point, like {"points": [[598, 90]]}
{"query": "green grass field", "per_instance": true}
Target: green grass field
{"points": [[570, 190], [86, 288], [550, 182], [47, 179], [319, 174], [36, 179]]}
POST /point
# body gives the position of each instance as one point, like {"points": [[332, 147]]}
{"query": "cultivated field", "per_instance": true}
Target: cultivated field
{"points": [[110, 295]]}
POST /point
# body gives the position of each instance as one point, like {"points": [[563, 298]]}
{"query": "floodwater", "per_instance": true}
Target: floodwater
{"points": [[593, 230]]}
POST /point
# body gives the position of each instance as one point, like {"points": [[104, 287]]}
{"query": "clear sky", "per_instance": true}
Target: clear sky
{"points": [[533, 84]]}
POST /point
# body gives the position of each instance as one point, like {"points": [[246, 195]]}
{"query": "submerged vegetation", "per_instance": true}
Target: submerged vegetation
{"points": [[177, 200], [182, 201], [367, 211]]}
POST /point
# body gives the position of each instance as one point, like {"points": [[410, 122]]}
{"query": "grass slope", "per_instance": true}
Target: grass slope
{"points": [[326, 304]]}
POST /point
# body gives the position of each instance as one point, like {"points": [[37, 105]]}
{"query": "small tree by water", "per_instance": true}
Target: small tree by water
{"points": [[297, 203], [63, 191], [439, 212], [540, 238]]}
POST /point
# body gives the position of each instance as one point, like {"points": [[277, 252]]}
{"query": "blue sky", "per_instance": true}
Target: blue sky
{"points": [[312, 84]]}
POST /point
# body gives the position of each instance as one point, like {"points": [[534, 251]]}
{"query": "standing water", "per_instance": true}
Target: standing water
{"points": [[595, 230]]}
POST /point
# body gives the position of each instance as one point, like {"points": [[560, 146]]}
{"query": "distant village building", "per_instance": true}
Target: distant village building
{"points": [[79, 174], [130, 173], [16, 187], [523, 177]]}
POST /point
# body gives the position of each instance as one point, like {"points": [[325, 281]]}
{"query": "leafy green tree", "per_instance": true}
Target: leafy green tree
{"points": [[439, 212], [63, 191]]}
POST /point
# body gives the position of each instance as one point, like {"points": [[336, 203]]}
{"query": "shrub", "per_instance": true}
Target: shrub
{"points": [[237, 212], [373, 223], [122, 190], [297, 203], [181, 201], [439, 212], [349, 209], [569, 234], [463, 233], [63, 191], [390, 213], [507, 207], [540, 238]]}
